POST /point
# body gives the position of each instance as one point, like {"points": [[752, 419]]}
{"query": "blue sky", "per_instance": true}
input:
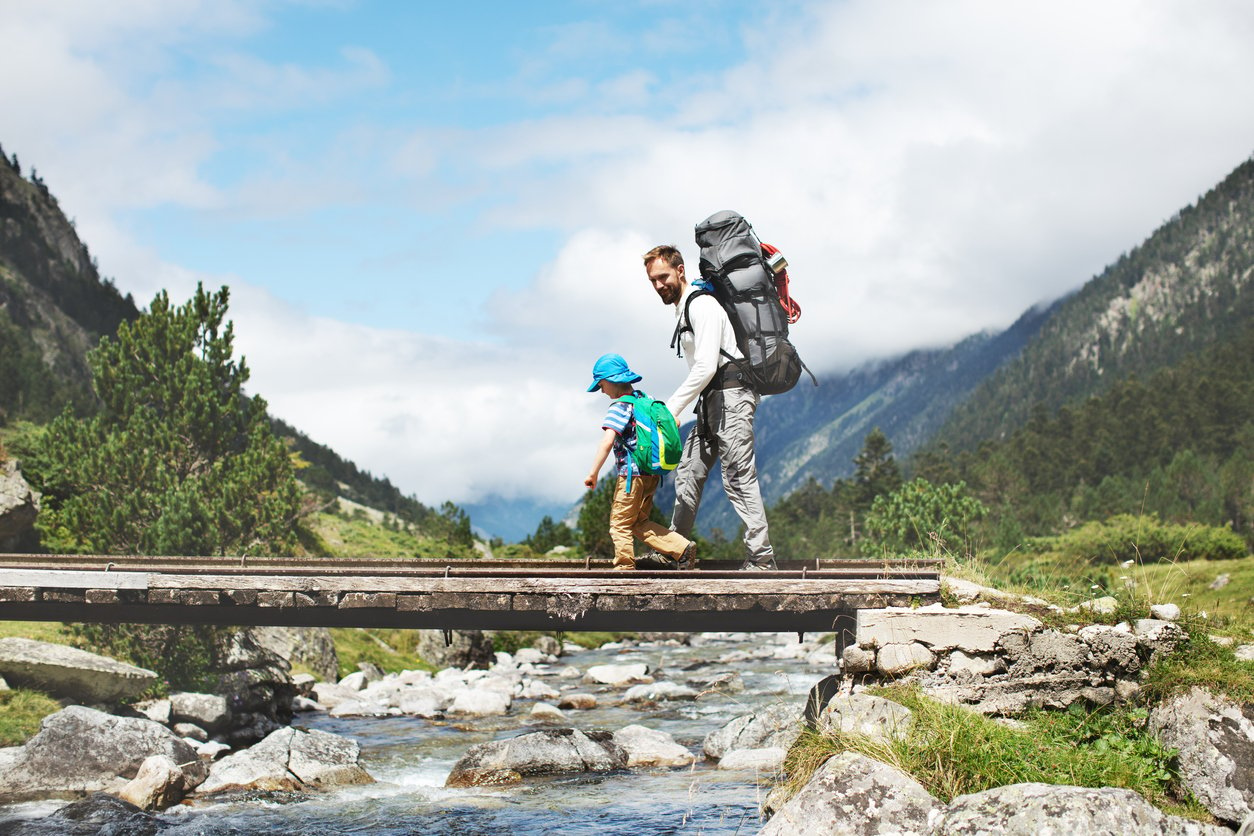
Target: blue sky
{"points": [[431, 215]]}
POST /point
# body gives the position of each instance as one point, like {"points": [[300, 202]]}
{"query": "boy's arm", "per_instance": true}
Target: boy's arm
{"points": [[603, 452]]}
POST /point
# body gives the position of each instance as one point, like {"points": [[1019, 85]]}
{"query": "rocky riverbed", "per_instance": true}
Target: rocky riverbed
{"points": [[648, 708]]}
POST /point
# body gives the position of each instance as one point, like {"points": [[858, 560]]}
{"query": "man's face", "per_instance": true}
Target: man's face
{"points": [[668, 281]]}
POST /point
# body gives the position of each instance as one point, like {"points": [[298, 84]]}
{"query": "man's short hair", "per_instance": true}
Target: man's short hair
{"points": [[667, 251]]}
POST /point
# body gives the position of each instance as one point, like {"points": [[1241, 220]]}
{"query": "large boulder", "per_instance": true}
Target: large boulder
{"points": [[1075, 811], [71, 673], [776, 726], [853, 794], [863, 714], [208, 711], [19, 505], [311, 647], [80, 750], [256, 686], [1215, 738], [536, 753], [290, 760]]}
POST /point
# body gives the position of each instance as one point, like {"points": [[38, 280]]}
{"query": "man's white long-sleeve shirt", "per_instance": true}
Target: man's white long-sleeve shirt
{"points": [[710, 334]]}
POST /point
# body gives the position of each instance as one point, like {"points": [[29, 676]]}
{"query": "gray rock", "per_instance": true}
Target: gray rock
{"points": [[70, 673], [766, 760], [156, 710], [855, 795], [578, 702], [1220, 582], [1215, 738], [1075, 811], [659, 692], [19, 505], [650, 747], [774, 726], [1166, 612], [480, 703], [548, 645], [355, 681], [4, 686], [874, 717], [536, 753], [209, 711], [1244, 653], [1046, 651], [289, 759], [857, 659], [1246, 829], [189, 730], [80, 750], [158, 784], [894, 659], [729, 682], [617, 676], [543, 712]]}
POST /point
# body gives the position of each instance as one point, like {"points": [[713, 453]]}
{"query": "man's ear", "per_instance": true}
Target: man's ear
{"points": [[680, 272]]}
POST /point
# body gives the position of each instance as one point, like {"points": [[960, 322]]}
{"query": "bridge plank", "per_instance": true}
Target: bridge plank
{"points": [[63, 579], [676, 584]]}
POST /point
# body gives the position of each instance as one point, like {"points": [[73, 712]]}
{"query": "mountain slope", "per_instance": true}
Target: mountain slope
{"points": [[54, 306], [1187, 287]]}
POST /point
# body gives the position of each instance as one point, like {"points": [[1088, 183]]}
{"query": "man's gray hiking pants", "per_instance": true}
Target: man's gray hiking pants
{"points": [[724, 433]]}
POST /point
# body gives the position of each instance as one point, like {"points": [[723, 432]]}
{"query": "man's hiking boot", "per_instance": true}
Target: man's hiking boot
{"points": [[688, 560], [754, 566]]}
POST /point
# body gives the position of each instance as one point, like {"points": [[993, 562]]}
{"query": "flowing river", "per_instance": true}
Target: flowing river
{"points": [[411, 758]]}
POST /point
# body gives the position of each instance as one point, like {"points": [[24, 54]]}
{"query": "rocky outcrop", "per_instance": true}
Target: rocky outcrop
{"points": [[311, 647], [71, 673], [19, 505], [1215, 739], [80, 750], [289, 760], [466, 649], [552, 752], [1001, 662]]}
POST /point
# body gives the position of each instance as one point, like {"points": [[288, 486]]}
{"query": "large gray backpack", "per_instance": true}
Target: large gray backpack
{"points": [[735, 267]]}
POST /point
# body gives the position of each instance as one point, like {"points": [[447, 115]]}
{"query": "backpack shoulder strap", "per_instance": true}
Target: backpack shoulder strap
{"points": [[684, 323]]}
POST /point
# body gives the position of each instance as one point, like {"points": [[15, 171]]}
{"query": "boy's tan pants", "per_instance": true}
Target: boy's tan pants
{"points": [[629, 517]]}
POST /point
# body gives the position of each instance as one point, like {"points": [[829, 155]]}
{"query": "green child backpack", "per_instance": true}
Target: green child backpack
{"points": [[658, 446]]}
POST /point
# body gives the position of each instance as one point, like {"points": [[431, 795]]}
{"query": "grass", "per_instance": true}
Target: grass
{"points": [[20, 713], [952, 751], [391, 650], [357, 535], [44, 631], [1199, 662]]}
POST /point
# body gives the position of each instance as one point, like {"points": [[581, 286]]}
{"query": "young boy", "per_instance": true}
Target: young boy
{"points": [[629, 513]]}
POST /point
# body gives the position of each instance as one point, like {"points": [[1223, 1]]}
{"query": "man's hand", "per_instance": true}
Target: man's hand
{"points": [[590, 481]]}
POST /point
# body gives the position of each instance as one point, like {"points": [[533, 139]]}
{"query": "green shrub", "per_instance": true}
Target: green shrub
{"points": [[1144, 539], [918, 515]]}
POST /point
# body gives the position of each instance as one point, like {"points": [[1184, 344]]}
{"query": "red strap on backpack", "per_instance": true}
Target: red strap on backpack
{"points": [[791, 308]]}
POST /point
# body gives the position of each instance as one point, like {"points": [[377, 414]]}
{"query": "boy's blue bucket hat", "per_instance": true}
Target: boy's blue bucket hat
{"points": [[611, 367]]}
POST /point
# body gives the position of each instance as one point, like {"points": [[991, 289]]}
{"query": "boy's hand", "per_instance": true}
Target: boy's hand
{"points": [[590, 481]]}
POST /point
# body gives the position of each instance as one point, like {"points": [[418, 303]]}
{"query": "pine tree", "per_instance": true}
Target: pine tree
{"points": [[178, 461], [876, 471]]}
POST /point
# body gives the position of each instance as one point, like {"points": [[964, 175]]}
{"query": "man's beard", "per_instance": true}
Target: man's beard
{"points": [[669, 295]]}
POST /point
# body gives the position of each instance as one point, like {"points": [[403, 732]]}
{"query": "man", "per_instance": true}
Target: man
{"points": [[725, 407]]}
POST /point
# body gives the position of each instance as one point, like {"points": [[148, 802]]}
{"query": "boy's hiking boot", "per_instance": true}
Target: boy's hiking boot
{"points": [[688, 560], [654, 561]]}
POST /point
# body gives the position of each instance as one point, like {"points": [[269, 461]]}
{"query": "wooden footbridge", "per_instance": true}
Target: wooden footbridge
{"points": [[809, 596]]}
